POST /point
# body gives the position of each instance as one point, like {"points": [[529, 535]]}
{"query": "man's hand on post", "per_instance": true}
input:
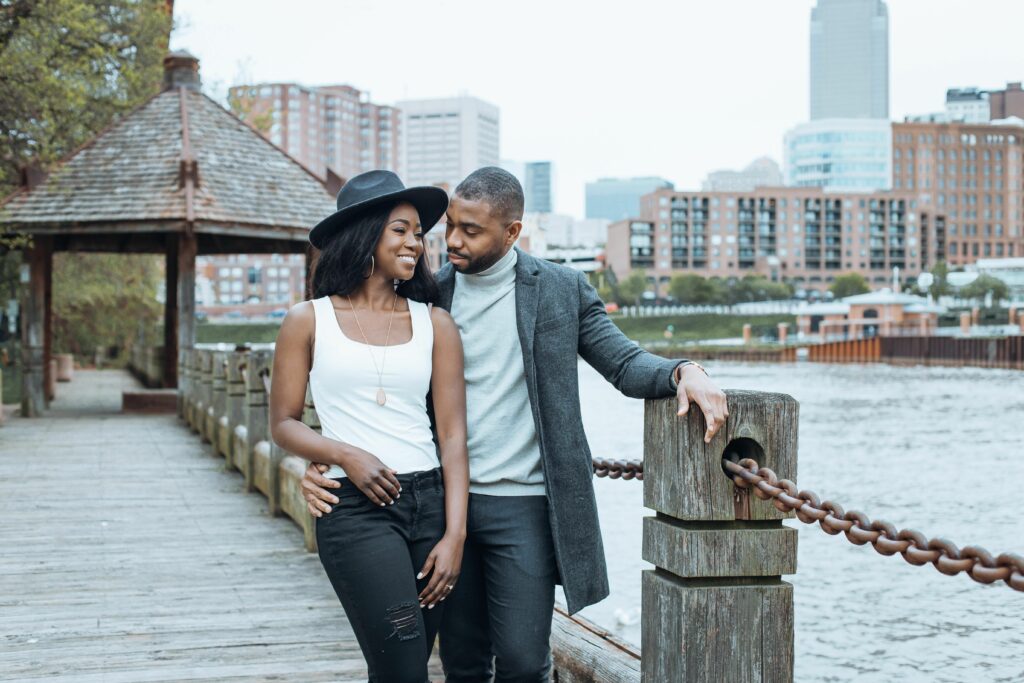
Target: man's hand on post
{"points": [[314, 489], [695, 386]]}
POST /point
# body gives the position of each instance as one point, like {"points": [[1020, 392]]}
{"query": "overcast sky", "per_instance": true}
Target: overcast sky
{"points": [[675, 88]]}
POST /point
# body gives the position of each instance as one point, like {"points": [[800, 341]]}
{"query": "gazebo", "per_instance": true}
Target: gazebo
{"points": [[180, 175]]}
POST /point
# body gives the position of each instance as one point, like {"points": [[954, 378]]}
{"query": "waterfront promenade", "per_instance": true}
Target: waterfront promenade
{"points": [[131, 555]]}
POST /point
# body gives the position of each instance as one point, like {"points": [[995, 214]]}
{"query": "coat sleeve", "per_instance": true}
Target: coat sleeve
{"points": [[633, 371]]}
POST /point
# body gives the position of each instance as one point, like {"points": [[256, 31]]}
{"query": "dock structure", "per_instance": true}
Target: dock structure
{"points": [[130, 555]]}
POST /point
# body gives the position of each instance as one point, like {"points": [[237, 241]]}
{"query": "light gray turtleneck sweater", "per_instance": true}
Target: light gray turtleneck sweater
{"points": [[504, 452]]}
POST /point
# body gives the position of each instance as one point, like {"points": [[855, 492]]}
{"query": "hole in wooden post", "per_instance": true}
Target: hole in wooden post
{"points": [[737, 450], [741, 448]]}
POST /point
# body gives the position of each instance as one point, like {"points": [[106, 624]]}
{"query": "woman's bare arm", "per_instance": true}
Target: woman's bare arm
{"points": [[293, 359], [448, 388]]}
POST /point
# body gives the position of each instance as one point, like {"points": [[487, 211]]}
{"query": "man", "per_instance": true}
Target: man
{"points": [[532, 518]]}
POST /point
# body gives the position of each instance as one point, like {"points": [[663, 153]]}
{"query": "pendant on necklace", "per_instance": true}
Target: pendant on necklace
{"points": [[382, 398]]}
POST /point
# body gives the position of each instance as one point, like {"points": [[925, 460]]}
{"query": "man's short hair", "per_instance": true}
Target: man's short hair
{"points": [[497, 187]]}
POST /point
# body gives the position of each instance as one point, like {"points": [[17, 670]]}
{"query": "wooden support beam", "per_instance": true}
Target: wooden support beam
{"points": [[33, 327], [171, 359], [186, 319], [49, 378]]}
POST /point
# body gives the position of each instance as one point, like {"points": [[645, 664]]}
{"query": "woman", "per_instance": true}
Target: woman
{"points": [[370, 351]]}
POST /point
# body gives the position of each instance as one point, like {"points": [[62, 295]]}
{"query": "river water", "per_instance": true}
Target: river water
{"points": [[934, 449]]}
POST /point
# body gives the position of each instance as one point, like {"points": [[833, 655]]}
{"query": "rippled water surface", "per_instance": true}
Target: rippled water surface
{"points": [[935, 449]]}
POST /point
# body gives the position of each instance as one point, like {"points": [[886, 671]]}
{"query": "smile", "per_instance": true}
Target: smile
{"points": [[407, 259]]}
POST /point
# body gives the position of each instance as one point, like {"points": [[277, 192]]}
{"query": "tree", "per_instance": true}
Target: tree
{"points": [[102, 300], [757, 288], [632, 287], [67, 68], [246, 108], [940, 283], [849, 284], [984, 285], [694, 289]]}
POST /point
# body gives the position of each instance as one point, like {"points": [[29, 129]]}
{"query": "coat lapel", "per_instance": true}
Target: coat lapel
{"points": [[446, 286], [526, 303]]}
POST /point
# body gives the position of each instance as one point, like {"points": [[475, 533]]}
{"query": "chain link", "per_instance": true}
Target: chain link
{"points": [[883, 536], [619, 469]]}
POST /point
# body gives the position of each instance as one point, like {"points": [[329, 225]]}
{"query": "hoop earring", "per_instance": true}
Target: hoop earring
{"points": [[373, 264]]}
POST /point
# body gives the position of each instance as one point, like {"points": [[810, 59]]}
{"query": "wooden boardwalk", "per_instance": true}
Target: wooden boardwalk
{"points": [[128, 554]]}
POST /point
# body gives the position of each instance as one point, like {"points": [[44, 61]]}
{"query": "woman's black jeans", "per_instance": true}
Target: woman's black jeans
{"points": [[372, 555]]}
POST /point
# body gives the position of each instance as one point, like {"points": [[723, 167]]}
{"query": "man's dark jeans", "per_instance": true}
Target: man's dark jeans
{"points": [[497, 621], [372, 555]]}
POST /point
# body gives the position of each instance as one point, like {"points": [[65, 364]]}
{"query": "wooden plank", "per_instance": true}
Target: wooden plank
{"points": [[166, 570], [706, 549], [583, 652]]}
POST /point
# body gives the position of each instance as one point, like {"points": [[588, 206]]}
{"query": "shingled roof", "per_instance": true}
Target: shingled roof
{"points": [[135, 172]]}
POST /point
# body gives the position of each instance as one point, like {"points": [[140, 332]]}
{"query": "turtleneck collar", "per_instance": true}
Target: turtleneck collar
{"points": [[502, 271]]}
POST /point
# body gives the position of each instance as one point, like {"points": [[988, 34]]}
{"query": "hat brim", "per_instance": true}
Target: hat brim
{"points": [[430, 203]]}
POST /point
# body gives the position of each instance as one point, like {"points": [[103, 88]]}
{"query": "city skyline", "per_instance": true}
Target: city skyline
{"points": [[652, 127]]}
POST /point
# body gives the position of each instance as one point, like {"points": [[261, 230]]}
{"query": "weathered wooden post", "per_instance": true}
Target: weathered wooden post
{"points": [[715, 607], [199, 404], [216, 393], [290, 471], [65, 367], [256, 414], [218, 401], [234, 414], [183, 381], [965, 323], [748, 334], [205, 392]]}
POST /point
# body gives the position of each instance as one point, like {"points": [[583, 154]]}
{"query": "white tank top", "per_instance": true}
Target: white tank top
{"points": [[344, 385]]}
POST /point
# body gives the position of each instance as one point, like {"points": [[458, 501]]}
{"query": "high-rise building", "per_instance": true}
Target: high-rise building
{"points": [[538, 187], [971, 173], [332, 127], [762, 172], [447, 139], [802, 235], [616, 198], [538, 183], [843, 155], [850, 60]]}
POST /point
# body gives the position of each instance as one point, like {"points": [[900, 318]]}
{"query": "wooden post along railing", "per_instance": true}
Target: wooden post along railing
{"points": [[218, 399], [257, 432], [715, 608], [236, 399]]}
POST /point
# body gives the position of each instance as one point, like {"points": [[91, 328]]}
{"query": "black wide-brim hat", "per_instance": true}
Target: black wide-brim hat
{"points": [[374, 188]]}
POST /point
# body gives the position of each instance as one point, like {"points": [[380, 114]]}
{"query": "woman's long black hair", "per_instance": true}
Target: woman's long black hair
{"points": [[344, 261]]}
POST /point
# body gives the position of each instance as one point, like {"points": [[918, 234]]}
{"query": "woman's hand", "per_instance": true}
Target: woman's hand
{"points": [[445, 561], [376, 480]]}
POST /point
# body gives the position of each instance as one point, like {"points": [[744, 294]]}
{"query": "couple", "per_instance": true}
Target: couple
{"points": [[414, 510]]}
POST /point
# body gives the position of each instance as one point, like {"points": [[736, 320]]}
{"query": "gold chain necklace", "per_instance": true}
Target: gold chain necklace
{"points": [[382, 397]]}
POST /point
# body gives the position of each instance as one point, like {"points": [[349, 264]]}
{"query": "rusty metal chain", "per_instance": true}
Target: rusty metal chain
{"points": [[619, 469], [883, 536]]}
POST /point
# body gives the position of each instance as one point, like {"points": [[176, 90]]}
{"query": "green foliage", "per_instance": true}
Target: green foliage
{"points": [[849, 284], [699, 326], [244, 107], [940, 285], [237, 333], [102, 300], [67, 68], [631, 288], [984, 285], [693, 289]]}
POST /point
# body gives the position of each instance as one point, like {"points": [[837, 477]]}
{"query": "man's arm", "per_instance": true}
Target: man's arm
{"points": [[639, 374]]}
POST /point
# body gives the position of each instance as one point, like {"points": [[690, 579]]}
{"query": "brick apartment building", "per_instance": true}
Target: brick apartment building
{"points": [[252, 285], [803, 235], [958, 195], [332, 127]]}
